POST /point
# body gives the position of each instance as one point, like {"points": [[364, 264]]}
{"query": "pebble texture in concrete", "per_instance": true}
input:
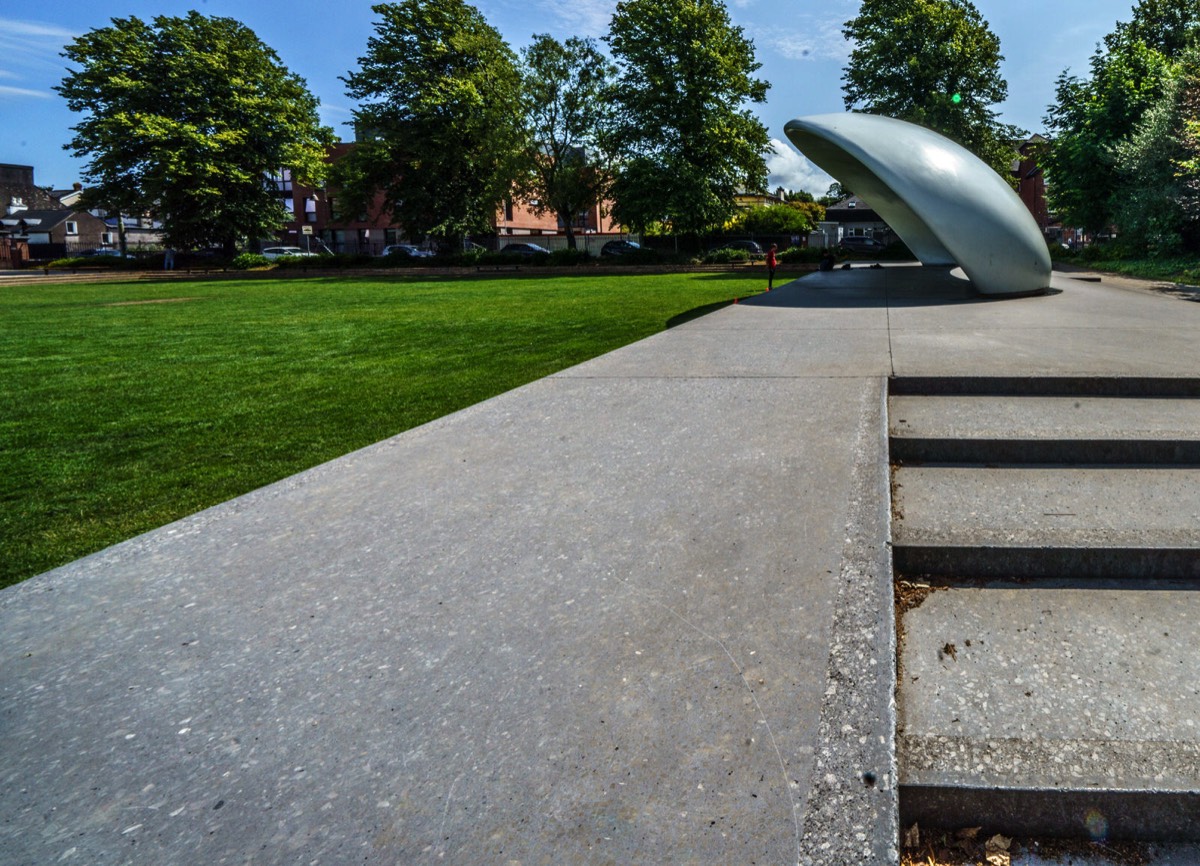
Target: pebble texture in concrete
{"points": [[1053, 710], [1034, 418], [1044, 506], [1032, 685]]}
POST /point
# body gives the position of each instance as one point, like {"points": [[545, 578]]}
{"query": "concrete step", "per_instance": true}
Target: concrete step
{"points": [[998, 429], [1055, 710], [1047, 386], [973, 521], [1047, 684]]}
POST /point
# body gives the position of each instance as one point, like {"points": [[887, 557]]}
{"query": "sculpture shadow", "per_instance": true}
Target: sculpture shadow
{"points": [[867, 287]]}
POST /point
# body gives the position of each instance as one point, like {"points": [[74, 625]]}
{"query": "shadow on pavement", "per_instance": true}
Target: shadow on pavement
{"points": [[866, 286]]}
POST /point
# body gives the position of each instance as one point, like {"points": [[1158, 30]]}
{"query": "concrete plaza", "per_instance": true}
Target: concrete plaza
{"points": [[636, 612]]}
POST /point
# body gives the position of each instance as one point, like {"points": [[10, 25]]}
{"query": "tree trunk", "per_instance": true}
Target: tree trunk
{"points": [[570, 235]]}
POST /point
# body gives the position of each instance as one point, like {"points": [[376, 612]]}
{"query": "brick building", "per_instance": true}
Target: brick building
{"points": [[313, 224]]}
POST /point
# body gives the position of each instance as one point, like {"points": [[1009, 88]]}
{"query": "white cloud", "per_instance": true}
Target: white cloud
{"points": [[31, 44], [788, 168], [812, 40], [35, 30], [21, 92], [582, 17]]}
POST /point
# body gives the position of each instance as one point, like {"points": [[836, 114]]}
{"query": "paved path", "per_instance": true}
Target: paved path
{"points": [[638, 611]]}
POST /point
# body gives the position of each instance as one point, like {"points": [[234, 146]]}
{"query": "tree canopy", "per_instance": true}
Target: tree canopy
{"points": [[1155, 168], [566, 103], [439, 119], [186, 117], [935, 63], [686, 142], [791, 218], [1092, 116]]}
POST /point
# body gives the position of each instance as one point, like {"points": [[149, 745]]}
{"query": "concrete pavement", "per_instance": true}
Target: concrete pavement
{"points": [[639, 611]]}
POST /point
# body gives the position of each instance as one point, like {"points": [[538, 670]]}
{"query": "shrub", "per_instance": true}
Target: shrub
{"points": [[465, 259], [644, 256], [291, 263], [487, 258], [801, 255], [91, 262], [1098, 253], [247, 261], [570, 257], [726, 257]]}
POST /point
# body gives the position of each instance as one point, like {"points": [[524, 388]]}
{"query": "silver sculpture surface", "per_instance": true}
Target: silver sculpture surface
{"points": [[947, 205]]}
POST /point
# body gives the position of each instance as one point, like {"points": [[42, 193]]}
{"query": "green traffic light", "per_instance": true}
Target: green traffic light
{"points": [[956, 98]]}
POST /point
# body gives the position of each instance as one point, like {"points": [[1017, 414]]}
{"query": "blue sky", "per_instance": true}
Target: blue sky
{"points": [[798, 42]]}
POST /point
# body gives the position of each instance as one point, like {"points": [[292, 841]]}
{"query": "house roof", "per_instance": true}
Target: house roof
{"points": [[851, 209], [848, 203], [43, 219], [66, 197]]}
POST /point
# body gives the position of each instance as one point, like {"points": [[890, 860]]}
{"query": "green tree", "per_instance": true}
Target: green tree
{"points": [[834, 194], [1189, 165], [566, 107], [1091, 116], [935, 63], [1154, 171], [186, 117], [774, 219], [685, 140], [439, 119]]}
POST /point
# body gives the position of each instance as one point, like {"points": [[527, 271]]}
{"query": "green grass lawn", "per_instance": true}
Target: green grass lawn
{"points": [[1177, 270], [128, 405]]}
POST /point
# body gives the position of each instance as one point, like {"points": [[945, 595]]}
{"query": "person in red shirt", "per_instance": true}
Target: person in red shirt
{"points": [[771, 263]]}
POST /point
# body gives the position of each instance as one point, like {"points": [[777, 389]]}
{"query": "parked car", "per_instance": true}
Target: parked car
{"points": [[751, 247], [619, 248], [853, 244], [524, 250], [273, 253], [413, 252], [105, 251]]}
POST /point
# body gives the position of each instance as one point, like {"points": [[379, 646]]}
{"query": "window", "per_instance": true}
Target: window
{"points": [[508, 209], [280, 180], [72, 227], [106, 238]]}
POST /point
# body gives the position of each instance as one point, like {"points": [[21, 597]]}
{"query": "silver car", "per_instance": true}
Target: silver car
{"points": [[413, 252], [273, 253]]}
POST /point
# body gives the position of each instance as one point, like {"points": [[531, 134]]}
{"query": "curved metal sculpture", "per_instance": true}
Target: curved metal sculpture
{"points": [[946, 204]]}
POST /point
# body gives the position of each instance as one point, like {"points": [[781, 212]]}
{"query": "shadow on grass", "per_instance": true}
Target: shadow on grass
{"points": [[695, 313]]}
